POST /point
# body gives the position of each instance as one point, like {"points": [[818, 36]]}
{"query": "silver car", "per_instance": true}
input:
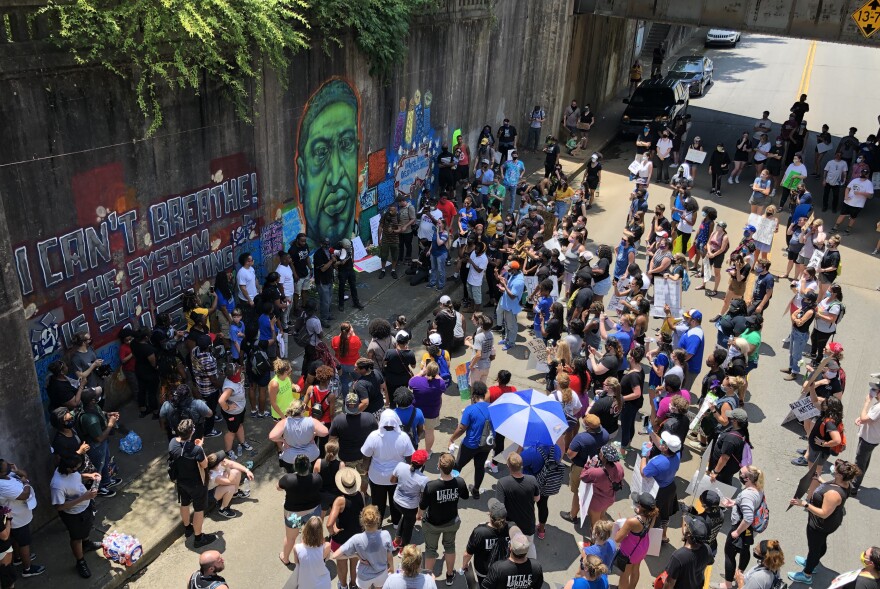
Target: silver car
{"points": [[721, 37]]}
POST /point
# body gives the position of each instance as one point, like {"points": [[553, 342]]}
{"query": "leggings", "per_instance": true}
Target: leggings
{"points": [[716, 180], [382, 495], [817, 546], [685, 239], [148, 394], [499, 447], [818, 340], [731, 551], [407, 522], [543, 510], [479, 457], [628, 423]]}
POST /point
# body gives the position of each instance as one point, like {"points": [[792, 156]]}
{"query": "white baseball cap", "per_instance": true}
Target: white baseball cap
{"points": [[435, 339]]}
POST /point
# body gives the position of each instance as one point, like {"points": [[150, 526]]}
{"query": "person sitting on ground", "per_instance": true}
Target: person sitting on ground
{"points": [[224, 479]]}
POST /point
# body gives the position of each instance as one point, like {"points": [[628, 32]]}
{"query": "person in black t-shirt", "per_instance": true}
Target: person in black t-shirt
{"points": [[350, 429], [189, 463], [686, 568], [519, 493], [440, 503], [727, 453], [518, 571], [506, 139], [302, 266], [484, 539], [61, 389], [552, 155], [632, 388], [211, 563]]}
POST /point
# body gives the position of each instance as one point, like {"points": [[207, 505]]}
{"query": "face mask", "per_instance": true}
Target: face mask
{"points": [[720, 149], [746, 233], [743, 479], [68, 423], [704, 213], [646, 130], [860, 159], [865, 561], [759, 269], [830, 375], [778, 143]]}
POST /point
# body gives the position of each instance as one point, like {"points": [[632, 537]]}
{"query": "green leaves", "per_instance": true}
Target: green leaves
{"points": [[188, 44]]}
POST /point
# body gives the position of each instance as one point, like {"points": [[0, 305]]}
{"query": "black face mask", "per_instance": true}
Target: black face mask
{"points": [[743, 479], [68, 424]]}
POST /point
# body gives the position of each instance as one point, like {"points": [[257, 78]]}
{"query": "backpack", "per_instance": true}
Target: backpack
{"points": [[762, 516], [746, 453], [301, 335], [175, 464], [319, 406], [443, 365], [487, 436], [194, 582], [184, 412], [835, 450], [409, 430], [258, 362], [551, 474], [841, 314]]}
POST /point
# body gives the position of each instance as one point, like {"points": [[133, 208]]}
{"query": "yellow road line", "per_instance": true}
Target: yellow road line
{"points": [[804, 86]]}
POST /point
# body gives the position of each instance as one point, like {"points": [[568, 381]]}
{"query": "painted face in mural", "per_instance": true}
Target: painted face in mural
{"points": [[327, 162]]}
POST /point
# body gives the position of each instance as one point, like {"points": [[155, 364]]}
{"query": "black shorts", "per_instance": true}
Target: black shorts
{"points": [[793, 256], [593, 183], [196, 495], [850, 211], [233, 422], [717, 261], [78, 525], [22, 535]]}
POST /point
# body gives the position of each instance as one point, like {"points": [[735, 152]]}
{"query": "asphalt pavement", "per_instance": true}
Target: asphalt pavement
{"points": [[762, 73]]}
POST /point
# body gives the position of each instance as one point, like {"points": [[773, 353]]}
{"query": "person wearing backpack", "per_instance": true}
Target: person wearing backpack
{"points": [[211, 564], [412, 420], [478, 440], [825, 437], [743, 516], [519, 492], [825, 510], [488, 541], [543, 462], [95, 427], [187, 464], [606, 478], [181, 405], [733, 448], [828, 313]]}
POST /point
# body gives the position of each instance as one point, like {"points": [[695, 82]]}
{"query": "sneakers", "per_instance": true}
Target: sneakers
{"points": [[712, 191], [540, 532], [396, 544], [114, 481], [267, 414], [245, 446], [718, 193], [255, 414], [715, 318], [105, 492], [800, 577], [33, 571], [491, 467], [394, 274], [802, 451], [227, 512], [204, 540], [800, 461], [381, 274], [475, 492], [92, 546], [188, 530], [241, 494], [730, 179], [791, 376], [17, 560], [431, 285], [737, 179], [83, 569], [450, 580], [231, 455], [211, 434]]}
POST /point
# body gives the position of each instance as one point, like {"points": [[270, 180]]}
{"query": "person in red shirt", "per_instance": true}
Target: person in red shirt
{"points": [[447, 207], [347, 347], [502, 385], [126, 358]]}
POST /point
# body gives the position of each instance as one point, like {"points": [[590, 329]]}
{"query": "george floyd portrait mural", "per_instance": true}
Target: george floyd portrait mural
{"points": [[326, 162]]}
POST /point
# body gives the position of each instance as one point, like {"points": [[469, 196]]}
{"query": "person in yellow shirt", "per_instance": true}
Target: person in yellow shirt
{"points": [[493, 219], [563, 196]]}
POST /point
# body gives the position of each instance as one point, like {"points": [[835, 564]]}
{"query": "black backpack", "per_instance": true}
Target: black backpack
{"points": [[258, 362], [185, 411], [182, 465], [409, 430]]}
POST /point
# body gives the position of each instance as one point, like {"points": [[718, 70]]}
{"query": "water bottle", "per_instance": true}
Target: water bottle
{"points": [[246, 486]]}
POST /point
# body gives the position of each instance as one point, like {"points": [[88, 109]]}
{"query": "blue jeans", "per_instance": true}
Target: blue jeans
{"points": [[796, 349], [346, 377], [438, 270], [324, 292], [511, 200], [99, 454], [507, 320], [561, 209]]}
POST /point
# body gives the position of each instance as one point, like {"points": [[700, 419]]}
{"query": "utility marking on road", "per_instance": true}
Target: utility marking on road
{"points": [[804, 86]]}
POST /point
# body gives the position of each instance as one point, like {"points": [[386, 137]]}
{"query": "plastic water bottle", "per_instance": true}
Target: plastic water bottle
{"points": [[246, 485]]}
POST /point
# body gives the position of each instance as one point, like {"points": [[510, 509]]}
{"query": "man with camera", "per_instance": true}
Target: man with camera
{"points": [[95, 427]]}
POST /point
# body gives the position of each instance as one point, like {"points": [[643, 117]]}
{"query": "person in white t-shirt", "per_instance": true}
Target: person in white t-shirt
{"points": [[835, 175], [16, 494], [286, 282], [74, 505], [663, 151], [857, 193], [869, 432], [246, 279], [476, 275], [762, 126]]}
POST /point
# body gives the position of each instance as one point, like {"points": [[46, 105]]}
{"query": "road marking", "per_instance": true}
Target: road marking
{"points": [[808, 70]]}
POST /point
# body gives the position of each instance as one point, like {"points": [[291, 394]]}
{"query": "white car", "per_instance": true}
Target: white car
{"points": [[721, 37]]}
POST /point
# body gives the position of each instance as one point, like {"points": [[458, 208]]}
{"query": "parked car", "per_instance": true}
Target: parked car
{"points": [[721, 37], [654, 102], [694, 71]]}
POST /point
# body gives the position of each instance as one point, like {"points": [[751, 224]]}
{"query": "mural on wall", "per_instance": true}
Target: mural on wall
{"points": [[326, 166], [122, 261], [408, 164]]}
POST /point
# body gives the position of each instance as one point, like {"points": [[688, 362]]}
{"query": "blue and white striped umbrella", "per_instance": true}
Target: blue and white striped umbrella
{"points": [[528, 417]]}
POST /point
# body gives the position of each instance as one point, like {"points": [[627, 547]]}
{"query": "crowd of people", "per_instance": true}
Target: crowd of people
{"points": [[355, 433]]}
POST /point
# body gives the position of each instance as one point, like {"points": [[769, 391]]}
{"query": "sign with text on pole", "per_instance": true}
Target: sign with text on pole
{"points": [[867, 17]]}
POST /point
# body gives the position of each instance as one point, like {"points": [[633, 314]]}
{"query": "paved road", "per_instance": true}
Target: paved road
{"points": [[761, 73]]}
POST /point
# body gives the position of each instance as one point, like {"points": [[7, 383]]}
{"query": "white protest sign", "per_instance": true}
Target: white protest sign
{"points": [[695, 155], [531, 283], [822, 147], [374, 229], [801, 409], [537, 356], [585, 497], [641, 484], [369, 264], [765, 228], [634, 168], [553, 244], [700, 482], [358, 250], [844, 579], [554, 292], [707, 402], [666, 292]]}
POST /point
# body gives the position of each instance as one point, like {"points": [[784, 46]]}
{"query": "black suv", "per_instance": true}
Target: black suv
{"points": [[655, 102]]}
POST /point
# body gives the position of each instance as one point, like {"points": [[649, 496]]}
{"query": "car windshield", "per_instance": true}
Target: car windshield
{"points": [[652, 96], [689, 67]]}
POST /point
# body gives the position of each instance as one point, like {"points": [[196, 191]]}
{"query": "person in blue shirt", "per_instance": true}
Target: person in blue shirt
{"points": [[513, 171], [473, 420], [603, 544], [225, 303], [662, 468], [623, 332], [467, 216], [267, 329], [542, 306], [439, 253], [693, 342], [593, 574], [662, 358], [624, 256], [412, 420], [534, 457], [236, 334], [509, 306]]}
